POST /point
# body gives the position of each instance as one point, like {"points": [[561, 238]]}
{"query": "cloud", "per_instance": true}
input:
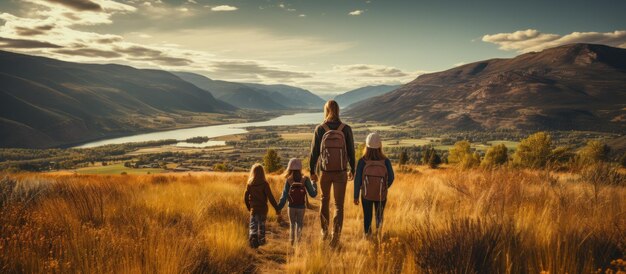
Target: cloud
{"points": [[356, 12], [302, 15], [37, 30], [254, 70], [140, 53], [89, 53], [80, 5], [534, 40], [363, 70], [25, 44], [224, 8]]}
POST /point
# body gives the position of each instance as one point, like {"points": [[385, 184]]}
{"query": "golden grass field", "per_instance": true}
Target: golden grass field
{"points": [[437, 221]]}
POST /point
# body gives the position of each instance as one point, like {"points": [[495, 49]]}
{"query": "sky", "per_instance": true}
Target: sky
{"points": [[326, 46]]}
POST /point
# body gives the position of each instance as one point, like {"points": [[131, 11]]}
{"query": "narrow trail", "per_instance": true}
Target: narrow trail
{"points": [[272, 257]]}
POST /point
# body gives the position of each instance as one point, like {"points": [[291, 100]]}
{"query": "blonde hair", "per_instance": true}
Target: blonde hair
{"points": [[375, 154], [331, 111], [256, 173]]}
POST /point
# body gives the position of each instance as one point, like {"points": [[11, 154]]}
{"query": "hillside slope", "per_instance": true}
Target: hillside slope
{"points": [[255, 96], [572, 87], [356, 95], [46, 102]]}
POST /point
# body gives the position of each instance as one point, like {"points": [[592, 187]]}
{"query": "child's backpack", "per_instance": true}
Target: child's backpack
{"points": [[333, 154], [374, 185], [297, 192]]}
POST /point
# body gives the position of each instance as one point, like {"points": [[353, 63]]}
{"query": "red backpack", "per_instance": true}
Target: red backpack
{"points": [[297, 192], [333, 154], [374, 185]]}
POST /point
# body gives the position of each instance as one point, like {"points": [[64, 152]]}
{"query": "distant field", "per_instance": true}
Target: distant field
{"points": [[117, 169], [408, 142], [297, 136]]}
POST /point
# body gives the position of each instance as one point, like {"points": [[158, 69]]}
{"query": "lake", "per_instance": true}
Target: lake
{"points": [[211, 131]]}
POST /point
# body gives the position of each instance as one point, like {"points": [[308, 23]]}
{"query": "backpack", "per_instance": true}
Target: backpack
{"points": [[374, 185], [297, 192], [333, 154]]}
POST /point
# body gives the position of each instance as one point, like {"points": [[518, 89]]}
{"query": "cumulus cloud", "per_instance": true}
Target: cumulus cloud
{"points": [[534, 40], [224, 8], [356, 12]]}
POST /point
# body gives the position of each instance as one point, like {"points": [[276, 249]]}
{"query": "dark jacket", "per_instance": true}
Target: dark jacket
{"points": [[256, 196], [311, 189], [358, 178], [317, 142]]}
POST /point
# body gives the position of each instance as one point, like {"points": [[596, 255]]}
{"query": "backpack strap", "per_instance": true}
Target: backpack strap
{"points": [[303, 180], [325, 126], [341, 126]]}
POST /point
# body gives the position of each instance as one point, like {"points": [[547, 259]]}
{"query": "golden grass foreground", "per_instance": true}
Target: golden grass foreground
{"points": [[437, 221]]}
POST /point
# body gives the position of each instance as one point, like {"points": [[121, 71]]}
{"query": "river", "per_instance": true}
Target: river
{"points": [[210, 131]]}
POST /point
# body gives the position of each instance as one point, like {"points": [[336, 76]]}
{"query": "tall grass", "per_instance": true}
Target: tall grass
{"points": [[477, 221]]}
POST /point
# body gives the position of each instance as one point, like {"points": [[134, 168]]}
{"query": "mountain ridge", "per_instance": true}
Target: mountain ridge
{"points": [[571, 87], [46, 102]]}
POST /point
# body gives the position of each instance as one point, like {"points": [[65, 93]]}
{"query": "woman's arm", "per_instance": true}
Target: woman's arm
{"points": [[246, 198], [358, 179], [311, 188], [315, 150], [283, 197], [270, 196], [390, 174]]}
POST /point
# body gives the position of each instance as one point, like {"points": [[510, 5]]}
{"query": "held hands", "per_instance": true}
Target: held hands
{"points": [[350, 176], [356, 202], [314, 177]]}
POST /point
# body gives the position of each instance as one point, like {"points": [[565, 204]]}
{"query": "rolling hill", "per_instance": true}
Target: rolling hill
{"points": [[255, 96], [571, 87], [46, 102], [363, 93]]}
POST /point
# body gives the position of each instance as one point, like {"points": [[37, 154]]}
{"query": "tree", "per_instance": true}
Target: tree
{"points": [[496, 156], [534, 151], [271, 161], [460, 150], [432, 158], [404, 157], [593, 152], [462, 154], [220, 167]]}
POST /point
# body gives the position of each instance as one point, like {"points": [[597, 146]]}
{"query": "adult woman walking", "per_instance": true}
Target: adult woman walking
{"points": [[374, 175], [332, 150]]}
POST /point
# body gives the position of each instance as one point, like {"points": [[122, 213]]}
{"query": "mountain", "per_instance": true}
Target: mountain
{"points": [[293, 97], [571, 87], [255, 96], [46, 102], [360, 94], [236, 94]]}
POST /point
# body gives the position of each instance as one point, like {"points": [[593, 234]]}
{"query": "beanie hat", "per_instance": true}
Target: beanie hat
{"points": [[294, 164], [373, 140]]}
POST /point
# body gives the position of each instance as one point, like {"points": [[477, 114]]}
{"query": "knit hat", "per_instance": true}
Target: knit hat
{"points": [[294, 164], [373, 140]]}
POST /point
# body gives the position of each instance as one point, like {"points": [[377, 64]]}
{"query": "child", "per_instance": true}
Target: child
{"points": [[257, 193], [374, 175], [296, 188]]}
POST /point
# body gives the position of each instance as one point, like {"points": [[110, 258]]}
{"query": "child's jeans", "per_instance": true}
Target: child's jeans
{"points": [[256, 236], [379, 209], [296, 220]]}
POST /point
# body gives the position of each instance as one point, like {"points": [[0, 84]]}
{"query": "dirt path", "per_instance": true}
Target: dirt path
{"points": [[272, 257]]}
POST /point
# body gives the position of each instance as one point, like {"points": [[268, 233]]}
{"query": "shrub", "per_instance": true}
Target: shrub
{"points": [[595, 151], [404, 157], [460, 150], [496, 156], [432, 158], [534, 151], [271, 161]]}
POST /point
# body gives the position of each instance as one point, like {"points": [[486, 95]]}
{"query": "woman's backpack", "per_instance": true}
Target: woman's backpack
{"points": [[374, 185], [297, 192], [333, 154]]}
